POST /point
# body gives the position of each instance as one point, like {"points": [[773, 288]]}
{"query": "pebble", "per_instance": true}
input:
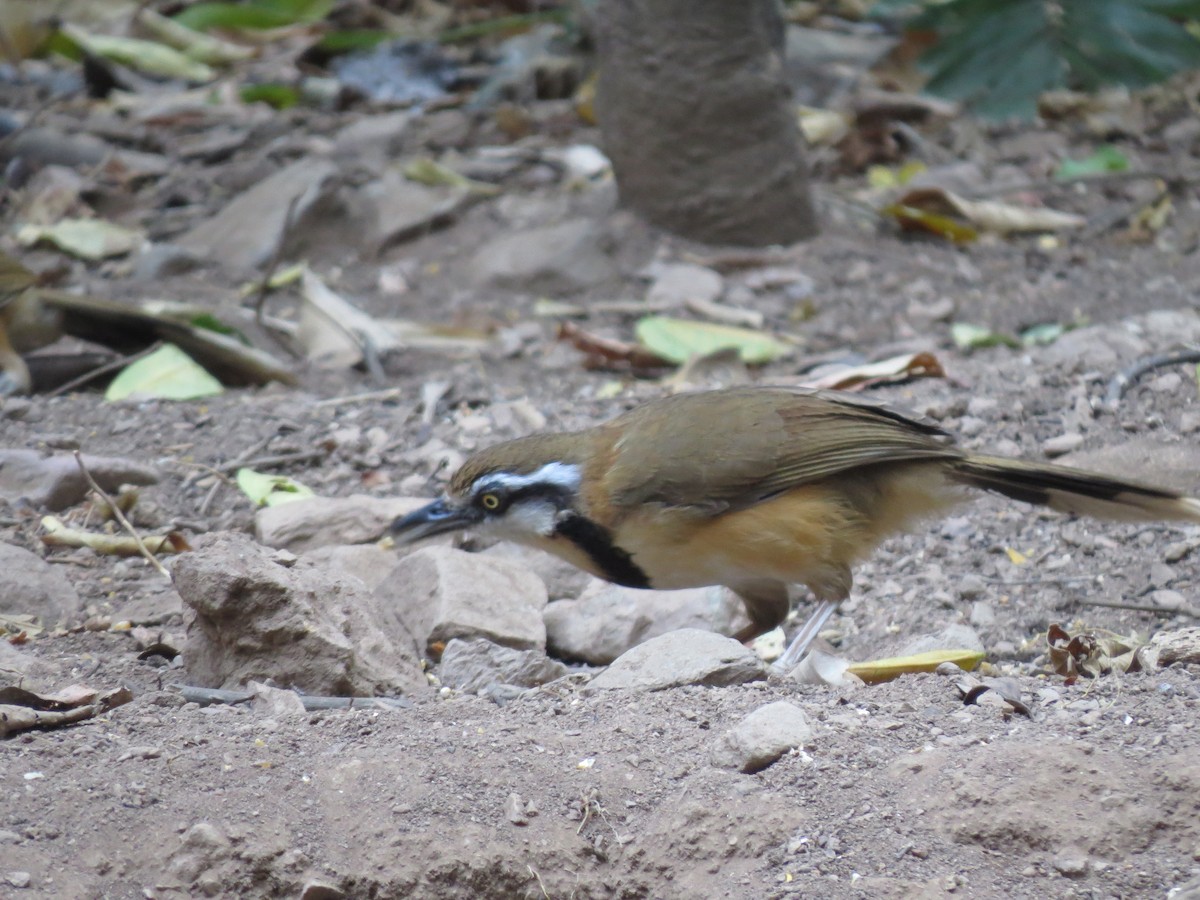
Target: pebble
{"points": [[19, 879], [1062, 445], [971, 586]]}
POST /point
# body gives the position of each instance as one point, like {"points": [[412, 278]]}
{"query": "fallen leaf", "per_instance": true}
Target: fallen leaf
{"points": [[166, 374], [149, 57], [1016, 557], [887, 371], [679, 339], [90, 239], [59, 536], [975, 337], [1092, 654], [601, 352], [1103, 159], [877, 671], [986, 215], [271, 490]]}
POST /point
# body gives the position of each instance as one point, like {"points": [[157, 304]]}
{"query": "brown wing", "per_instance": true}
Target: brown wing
{"points": [[736, 447]]}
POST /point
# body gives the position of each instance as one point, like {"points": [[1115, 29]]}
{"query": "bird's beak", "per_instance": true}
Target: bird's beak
{"points": [[438, 517]]}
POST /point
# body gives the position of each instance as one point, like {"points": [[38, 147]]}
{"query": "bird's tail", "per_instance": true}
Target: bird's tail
{"points": [[1075, 491]]}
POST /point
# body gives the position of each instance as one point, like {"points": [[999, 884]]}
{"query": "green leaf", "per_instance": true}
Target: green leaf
{"points": [[143, 56], [279, 96], [998, 55], [678, 340], [167, 374], [271, 490], [1040, 335], [974, 337], [1104, 159], [256, 15]]}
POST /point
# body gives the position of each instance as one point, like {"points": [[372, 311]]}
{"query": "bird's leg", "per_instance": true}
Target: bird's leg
{"points": [[805, 636]]}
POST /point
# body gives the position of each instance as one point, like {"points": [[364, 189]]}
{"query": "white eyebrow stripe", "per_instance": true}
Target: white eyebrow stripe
{"points": [[563, 475]]}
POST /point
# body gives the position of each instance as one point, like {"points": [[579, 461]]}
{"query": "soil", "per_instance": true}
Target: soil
{"points": [[903, 791]]}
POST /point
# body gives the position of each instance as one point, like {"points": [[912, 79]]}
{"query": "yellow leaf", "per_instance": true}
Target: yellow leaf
{"points": [[1016, 557], [877, 671]]}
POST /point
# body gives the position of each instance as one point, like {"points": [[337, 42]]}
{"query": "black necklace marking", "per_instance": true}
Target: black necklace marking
{"points": [[596, 541]]}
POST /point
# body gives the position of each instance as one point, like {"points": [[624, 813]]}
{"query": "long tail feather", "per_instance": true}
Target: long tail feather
{"points": [[1075, 490]]}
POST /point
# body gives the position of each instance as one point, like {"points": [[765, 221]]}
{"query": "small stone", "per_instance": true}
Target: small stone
{"points": [[1071, 863], [1062, 445], [9, 837], [18, 879], [328, 521], [1161, 574], [514, 809], [685, 656], [56, 483], [1169, 601], [952, 637], [971, 586], [981, 406], [983, 615], [31, 586], [762, 737], [321, 890]]}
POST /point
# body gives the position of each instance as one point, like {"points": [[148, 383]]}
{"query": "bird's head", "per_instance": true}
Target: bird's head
{"points": [[518, 490]]}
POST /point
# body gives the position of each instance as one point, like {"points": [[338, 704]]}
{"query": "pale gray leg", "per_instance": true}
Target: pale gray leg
{"points": [[804, 637]]}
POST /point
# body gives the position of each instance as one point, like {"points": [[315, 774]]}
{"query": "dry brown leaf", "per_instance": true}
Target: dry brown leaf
{"points": [[991, 215], [888, 371], [609, 353]]}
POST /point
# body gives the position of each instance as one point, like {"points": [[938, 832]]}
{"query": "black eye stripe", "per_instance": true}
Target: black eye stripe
{"points": [[555, 493]]}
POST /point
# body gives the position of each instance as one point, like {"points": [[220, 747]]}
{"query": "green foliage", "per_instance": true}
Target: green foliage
{"points": [[998, 55], [254, 14]]}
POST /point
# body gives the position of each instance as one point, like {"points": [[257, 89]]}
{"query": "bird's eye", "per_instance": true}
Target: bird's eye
{"points": [[490, 501]]}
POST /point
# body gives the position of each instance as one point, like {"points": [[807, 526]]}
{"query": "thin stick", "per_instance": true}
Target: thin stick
{"points": [[281, 459], [264, 286], [120, 517], [109, 366], [1143, 607], [366, 397]]}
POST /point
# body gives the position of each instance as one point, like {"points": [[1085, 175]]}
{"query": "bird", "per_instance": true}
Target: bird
{"points": [[753, 488]]}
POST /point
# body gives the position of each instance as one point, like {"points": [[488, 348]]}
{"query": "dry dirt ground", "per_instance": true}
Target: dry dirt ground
{"points": [[903, 791]]}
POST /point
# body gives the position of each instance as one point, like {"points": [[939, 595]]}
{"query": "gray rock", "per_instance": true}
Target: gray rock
{"points": [[555, 259], [1098, 347], [762, 737], [367, 562], [55, 482], [30, 586], [983, 614], [472, 666], [373, 141], [607, 619], [971, 586], [438, 594], [561, 578], [18, 879], [157, 261], [686, 656], [952, 637], [676, 284], [305, 525], [251, 617], [405, 209], [245, 234]]}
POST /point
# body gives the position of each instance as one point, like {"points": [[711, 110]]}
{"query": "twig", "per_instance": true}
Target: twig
{"points": [[281, 459], [1021, 582], [1144, 607], [207, 696], [264, 286], [541, 886], [109, 366], [1122, 380], [367, 397], [120, 517]]}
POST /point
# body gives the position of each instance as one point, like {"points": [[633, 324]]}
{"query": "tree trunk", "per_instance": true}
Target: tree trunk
{"points": [[698, 121]]}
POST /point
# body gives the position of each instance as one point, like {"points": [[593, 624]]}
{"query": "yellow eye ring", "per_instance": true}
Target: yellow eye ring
{"points": [[490, 501]]}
